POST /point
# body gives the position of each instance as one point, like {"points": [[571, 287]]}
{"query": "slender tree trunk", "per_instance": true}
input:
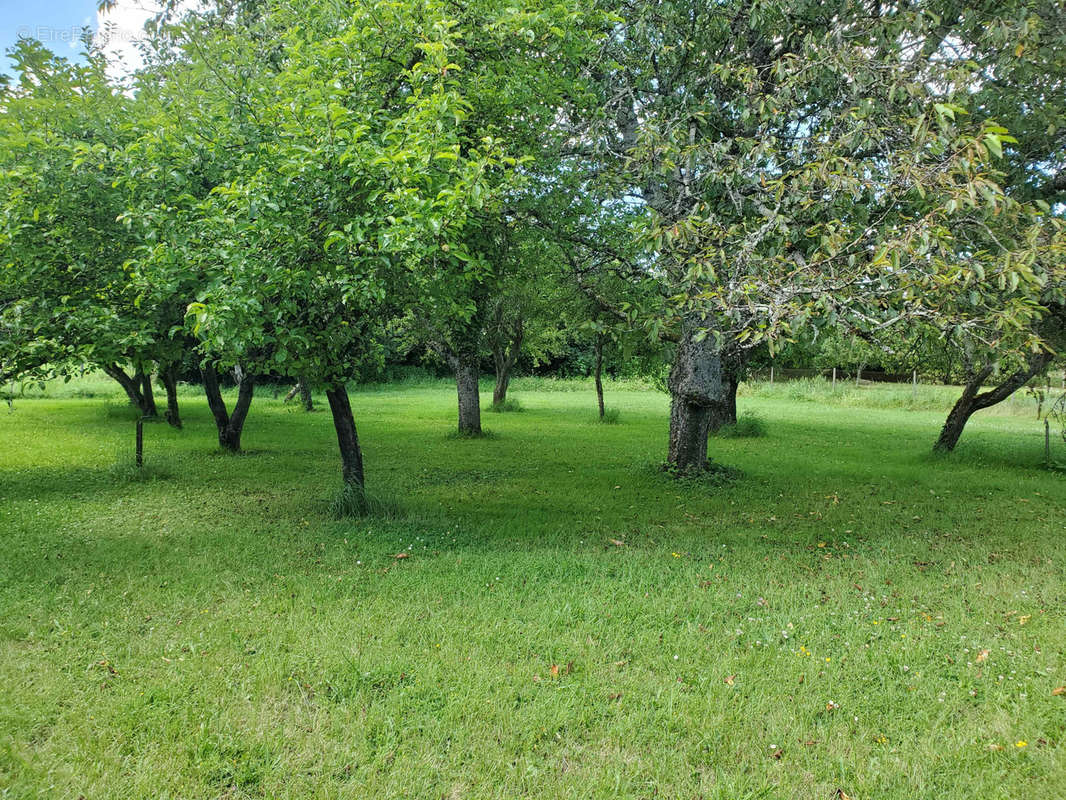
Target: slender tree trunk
{"points": [[304, 390], [696, 390], [168, 376], [466, 382], [970, 401], [347, 437], [599, 374], [503, 380], [230, 426], [147, 395], [504, 360]]}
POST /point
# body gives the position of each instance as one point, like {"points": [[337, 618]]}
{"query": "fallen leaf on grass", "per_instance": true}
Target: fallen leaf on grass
{"points": [[778, 753], [402, 555], [841, 795], [1058, 690], [983, 656], [615, 696], [554, 669], [616, 542], [729, 679]]}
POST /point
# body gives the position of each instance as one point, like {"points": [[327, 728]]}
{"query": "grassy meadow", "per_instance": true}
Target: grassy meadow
{"points": [[852, 616]]}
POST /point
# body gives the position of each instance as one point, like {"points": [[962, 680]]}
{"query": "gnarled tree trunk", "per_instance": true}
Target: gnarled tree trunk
{"points": [[972, 401], [696, 389], [466, 383], [230, 426], [347, 437], [168, 376]]}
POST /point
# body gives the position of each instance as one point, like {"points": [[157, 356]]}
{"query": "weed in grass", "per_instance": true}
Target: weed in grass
{"points": [[482, 434], [747, 426], [713, 474], [508, 405], [352, 502], [610, 416], [125, 471]]}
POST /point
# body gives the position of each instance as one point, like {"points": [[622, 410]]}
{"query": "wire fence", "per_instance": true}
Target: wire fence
{"points": [[859, 375]]}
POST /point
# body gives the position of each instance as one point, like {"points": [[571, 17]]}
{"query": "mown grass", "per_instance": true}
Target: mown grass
{"points": [[851, 614]]}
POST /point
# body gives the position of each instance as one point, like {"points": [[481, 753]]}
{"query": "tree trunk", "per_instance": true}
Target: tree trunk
{"points": [[230, 426], [168, 376], [304, 390], [347, 437], [732, 381], [504, 359], [129, 385], [134, 388], [148, 408], [466, 382], [971, 401], [696, 389], [599, 374], [503, 380]]}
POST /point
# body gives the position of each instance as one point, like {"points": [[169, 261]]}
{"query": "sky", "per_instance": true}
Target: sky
{"points": [[58, 24]]}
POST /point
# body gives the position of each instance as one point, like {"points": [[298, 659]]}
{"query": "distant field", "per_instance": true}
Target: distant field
{"points": [[852, 614]]}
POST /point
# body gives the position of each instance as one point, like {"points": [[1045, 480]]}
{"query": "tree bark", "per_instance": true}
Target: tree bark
{"points": [[168, 376], [503, 380], [696, 389], [134, 388], [230, 426], [304, 390], [466, 382], [148, 407], [970, 401], [599, 374], [347, 437], [504, 359], [731, 382]]}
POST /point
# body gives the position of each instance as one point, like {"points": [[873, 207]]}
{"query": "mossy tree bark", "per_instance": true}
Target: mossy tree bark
{"points": [[696, 389], [466, 384]]}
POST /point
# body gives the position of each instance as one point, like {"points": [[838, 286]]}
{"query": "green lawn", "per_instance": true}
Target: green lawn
{"points": [[853, 614]]}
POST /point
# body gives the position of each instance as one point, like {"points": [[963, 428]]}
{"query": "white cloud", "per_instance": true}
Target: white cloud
{"points": [[120, 28]]}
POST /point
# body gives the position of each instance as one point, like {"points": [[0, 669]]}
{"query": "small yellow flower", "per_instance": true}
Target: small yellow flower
{"points": [[1021, 743]]}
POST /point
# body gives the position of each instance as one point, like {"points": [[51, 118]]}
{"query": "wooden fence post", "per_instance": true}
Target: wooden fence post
{"points": [[834, 378], [140, 442], [771, 373]]}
